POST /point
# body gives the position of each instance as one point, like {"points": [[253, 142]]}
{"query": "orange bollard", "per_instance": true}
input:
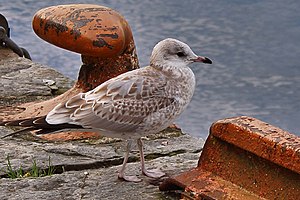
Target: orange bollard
{"points": [[244, 158], [101, 35]]}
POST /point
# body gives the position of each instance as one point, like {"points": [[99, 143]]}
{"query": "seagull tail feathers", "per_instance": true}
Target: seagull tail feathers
{"points": [[36, 123]]}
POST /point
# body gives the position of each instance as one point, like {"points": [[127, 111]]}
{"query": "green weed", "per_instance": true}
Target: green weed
{"points": [[34, 172]]}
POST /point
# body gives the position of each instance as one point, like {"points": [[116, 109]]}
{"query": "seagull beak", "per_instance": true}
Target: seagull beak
{"points": [[202, 59]]}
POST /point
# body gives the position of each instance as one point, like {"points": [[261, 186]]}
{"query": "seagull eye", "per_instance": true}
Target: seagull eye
{"points": [[181, 54]]}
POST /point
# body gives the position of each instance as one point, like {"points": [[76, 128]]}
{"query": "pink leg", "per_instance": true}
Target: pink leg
{"points": [[121, 173], [155, 173]]}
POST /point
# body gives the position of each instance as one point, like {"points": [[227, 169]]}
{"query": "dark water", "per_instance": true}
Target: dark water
{"points": [[255, 46]]}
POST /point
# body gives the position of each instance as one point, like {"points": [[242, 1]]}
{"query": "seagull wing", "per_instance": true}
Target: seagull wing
{"points": [[120, 104]]}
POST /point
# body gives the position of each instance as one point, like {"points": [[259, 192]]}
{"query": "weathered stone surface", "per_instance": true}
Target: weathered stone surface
{"points": [[22, 77], [88, 153], [101, 161], [97, 184]]}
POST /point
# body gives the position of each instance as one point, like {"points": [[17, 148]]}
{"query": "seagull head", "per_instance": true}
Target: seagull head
{"points": [[172, 52]]}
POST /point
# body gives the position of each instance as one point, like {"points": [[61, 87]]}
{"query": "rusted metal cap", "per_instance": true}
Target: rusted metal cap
{"points": [[91, 30], [244, 158]]}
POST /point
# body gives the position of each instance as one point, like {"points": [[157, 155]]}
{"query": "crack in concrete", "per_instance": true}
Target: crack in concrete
{"points": [[66, 152], [158, 155], [82, 194]]}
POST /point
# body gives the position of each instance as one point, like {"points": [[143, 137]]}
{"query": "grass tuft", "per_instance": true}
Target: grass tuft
{"points": [[34, 172]]}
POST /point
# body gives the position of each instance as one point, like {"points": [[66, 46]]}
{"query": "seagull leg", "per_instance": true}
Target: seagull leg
{"points": [[155, 173], [121, 174]]}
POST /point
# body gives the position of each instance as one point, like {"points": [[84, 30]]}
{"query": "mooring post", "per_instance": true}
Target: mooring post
{"points": [[100, 34]]}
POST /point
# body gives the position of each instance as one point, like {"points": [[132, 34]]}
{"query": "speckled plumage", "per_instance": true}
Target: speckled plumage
{"points": [[132, 105]]}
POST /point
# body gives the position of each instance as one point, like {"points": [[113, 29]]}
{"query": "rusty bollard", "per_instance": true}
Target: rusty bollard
{"points": [[243, 158], [100, 34]]}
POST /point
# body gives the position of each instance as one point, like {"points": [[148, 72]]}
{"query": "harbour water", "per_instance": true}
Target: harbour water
{"points": [[254, 45]]}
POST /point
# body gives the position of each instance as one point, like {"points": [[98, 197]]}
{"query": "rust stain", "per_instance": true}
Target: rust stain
{"points": [[114, 36], [100, 42], [68, 136]]}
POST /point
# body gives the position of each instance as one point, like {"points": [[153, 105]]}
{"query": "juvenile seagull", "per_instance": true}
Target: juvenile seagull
{"points": [[131, 105]]}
